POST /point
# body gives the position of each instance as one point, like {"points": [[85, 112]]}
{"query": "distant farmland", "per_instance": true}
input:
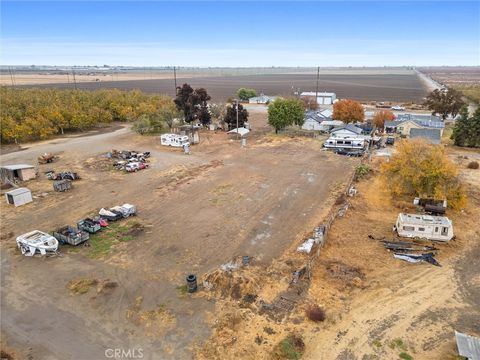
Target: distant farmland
{"points": [[365, 87]]}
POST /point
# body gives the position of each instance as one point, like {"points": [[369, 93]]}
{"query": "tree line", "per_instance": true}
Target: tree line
{"points": [[36, 114]]}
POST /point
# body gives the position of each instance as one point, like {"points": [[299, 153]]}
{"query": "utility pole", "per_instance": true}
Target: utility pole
{"points": [[11, 76], [175, 78], [74, 80], [237, 119], [316, 91]]}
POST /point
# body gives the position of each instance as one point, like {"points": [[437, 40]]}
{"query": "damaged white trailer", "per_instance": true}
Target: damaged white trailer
{"points": [[438, 228], [37, 241]]}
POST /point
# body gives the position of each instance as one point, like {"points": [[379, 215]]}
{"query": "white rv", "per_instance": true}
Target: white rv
{"points": [[438, 228], [174, 140], [345, 143]]}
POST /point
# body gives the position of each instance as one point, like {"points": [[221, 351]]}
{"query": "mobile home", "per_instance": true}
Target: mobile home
{"points": [[174, 140], [345, 143], [438, 228]]}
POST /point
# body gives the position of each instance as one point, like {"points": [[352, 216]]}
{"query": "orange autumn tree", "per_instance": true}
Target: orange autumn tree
{"points": [[348, 111], [381, 116], [419, 168]]}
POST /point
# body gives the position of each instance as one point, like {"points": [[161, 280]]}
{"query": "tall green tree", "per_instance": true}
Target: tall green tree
{"points": [[286, 112], [231, 116], [245, 94], [466, 131], [444, 102]]}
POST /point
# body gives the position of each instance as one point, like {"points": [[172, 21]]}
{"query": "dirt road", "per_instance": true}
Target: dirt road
{"points": [[199, 211]]}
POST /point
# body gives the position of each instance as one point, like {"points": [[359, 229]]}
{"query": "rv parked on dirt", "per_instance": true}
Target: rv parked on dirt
{"points": [[174, 140], [345, 143], [426, 227]]}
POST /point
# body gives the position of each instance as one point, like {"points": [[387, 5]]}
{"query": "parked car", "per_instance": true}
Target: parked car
{"points": [[390, 140], [135, 166]]}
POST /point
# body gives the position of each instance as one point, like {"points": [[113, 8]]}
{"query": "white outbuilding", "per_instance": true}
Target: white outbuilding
{"points": [[323, 98], [20, 196]]}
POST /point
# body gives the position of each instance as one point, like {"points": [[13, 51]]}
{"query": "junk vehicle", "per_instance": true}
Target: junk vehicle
{"points": [[427, 227], [89, 225], [390, 140], [135, 166], [62, 185], [118, 212], [69, 175], [36, 240], [69, 235], [174, 140], [46, 158], [432, 206]]}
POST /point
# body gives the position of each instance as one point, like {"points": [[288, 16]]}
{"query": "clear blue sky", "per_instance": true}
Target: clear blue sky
{"points": [[267, 33]]}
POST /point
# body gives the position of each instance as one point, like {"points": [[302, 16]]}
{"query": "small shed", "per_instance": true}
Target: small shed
{"points": [[15, 173], [20, 196]]}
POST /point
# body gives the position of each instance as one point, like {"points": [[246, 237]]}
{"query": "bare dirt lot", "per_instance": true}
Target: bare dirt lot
{"points": [[196, 212], [377, 307], [364, 86]]}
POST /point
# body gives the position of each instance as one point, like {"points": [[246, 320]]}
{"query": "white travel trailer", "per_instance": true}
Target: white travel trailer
{"points": [[174, 140], [438, 228], [345, 143]]}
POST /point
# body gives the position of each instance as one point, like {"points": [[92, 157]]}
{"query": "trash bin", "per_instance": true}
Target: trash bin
{"points": [[191, 283]]}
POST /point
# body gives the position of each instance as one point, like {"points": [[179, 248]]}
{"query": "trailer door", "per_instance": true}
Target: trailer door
{"points": [[444, 231]]}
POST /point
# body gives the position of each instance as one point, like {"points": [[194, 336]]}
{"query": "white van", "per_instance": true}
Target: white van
{"points": [[438, 228], [174, 140]]}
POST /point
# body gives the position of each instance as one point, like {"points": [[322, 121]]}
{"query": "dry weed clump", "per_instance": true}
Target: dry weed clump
{"points": [[291, 348], [81, 286], [315, 313], [473, 165]]}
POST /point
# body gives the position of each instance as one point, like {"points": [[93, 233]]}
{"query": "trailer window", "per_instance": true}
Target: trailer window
{"points": [[421, 229], [409, 228], [444, 230], [436, 228], [348, 142]]}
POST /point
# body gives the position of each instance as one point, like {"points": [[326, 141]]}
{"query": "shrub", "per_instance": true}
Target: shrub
{"points": [[315, 313], [362, 170], [405, 356], [292, 347], [422, 169], [473, 165]]}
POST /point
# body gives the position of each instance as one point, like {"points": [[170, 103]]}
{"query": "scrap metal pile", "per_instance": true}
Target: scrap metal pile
{"points": [[410, 251], [64, 175], [47, 158], [130, 161]]}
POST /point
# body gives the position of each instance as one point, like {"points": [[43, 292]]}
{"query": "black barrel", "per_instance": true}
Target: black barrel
{"points": [[191, 283]]}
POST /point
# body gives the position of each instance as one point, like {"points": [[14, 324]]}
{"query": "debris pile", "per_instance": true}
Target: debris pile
{"points": [[64, 175], [230, 283], [130, 161], [47, 158], [316, 239]]}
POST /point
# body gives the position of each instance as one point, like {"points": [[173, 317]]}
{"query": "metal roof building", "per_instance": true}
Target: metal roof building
{"points": [[432, 135], [468, 346]]}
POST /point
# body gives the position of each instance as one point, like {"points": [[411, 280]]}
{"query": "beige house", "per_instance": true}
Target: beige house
{"points": [[405, 127]]}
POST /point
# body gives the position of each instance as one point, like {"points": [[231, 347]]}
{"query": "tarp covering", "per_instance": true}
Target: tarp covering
{"points": [[241, 131]]}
